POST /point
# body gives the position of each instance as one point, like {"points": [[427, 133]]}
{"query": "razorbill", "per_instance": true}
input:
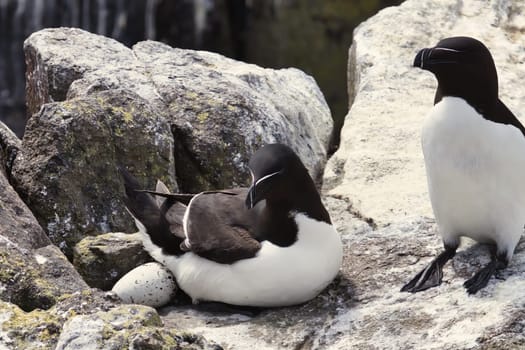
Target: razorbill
{"points": [[474, 150], [269, 245]]}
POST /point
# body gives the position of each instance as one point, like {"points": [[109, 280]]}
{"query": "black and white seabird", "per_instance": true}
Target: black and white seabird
{"points": [[270, 245], [474, 150]]}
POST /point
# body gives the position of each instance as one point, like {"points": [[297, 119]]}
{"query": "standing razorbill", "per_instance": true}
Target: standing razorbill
{"points": [[270, 245], [474, 150]]}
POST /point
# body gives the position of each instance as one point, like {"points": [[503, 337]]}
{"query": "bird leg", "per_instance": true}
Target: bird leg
{"points": [[481, 278], [432, 275]]}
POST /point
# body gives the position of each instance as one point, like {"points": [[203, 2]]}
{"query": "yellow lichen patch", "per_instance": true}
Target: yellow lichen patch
{"points": [[203, 116], [127, 116], [192, 95], [28, 329]]}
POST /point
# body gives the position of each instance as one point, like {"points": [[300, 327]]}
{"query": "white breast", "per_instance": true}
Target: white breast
{"points": [[275, 277], [475, 172]]}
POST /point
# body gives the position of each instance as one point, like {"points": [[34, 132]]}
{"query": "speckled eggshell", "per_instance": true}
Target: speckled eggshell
{"points": [[150, 284]]}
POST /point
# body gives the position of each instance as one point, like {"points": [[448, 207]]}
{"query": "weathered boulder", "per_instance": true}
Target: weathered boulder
{"points": [[55, 58], [223, 110], [67, 169], [35, 278], [204, 95], [18, 223], [102, 260], [9, 146], [33, 272], [378, 173], [127, 326], [91, 319]]}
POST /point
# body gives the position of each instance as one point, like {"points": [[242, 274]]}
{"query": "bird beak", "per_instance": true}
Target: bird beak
{"points": [[259, 189], [430, 58], [421, 56]]}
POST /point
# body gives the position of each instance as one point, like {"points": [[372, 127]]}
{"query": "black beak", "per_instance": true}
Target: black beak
{"points": [[422, 56], [430, 58], [260, 189]]}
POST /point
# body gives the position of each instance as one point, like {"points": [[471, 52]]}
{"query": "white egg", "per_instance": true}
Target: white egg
{"points": [[150, 284]]}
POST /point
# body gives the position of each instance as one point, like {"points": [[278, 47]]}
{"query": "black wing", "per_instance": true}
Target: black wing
{"points": [[220, 227]]}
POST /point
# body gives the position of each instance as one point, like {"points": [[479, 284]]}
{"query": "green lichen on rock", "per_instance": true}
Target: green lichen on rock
{"points": [[68, 171], [127, 327], [104, 259], [90, 317], [30, 284], [40, 329], [21, 330]]}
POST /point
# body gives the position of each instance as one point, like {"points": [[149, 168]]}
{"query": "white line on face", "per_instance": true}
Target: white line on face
{"points": [[267, 177], [446, 49]]}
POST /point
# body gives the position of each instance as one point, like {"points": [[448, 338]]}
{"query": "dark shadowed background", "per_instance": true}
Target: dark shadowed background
{"points": [[312, 35]]}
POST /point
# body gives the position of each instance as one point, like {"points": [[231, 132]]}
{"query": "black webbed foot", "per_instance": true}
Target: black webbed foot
{"points": [[432, 275], [482, 277]]}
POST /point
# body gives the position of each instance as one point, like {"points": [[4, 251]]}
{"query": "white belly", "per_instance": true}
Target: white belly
{"points": [[476, 175], [275, 277]]}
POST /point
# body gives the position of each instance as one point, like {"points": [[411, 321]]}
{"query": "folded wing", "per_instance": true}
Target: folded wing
{"points": [[219, 227]]}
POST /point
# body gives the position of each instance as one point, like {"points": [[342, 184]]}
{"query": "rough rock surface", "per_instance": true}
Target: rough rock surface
{"points": [[35, 278], [18, 223], [237, 106], [9, 146], [91, 320], [223, 110], [67, 168], [127, 326], [102, 260], [33, 272]]}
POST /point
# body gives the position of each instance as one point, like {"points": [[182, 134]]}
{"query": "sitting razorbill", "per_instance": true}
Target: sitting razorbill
{"points": [[269, 245]]}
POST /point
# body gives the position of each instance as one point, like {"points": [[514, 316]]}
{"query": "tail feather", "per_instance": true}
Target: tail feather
{"points": [[145, 209]]}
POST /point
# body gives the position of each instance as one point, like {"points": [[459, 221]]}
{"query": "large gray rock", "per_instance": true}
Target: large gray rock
{"points": [[67, 169], [35, 278], [9, 146], [18, 223], [33, 272], [127, 326], [378, 173], [223, 110], [102, 260], [91, 320]]}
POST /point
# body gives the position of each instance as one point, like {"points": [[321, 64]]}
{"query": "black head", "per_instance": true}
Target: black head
{"points": [[277, 173], [280, 178], [464, 68]]}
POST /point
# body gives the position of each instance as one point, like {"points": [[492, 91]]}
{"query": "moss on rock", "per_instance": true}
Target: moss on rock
{"points": [[68, 169], [104, 259], [35, 279]]}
